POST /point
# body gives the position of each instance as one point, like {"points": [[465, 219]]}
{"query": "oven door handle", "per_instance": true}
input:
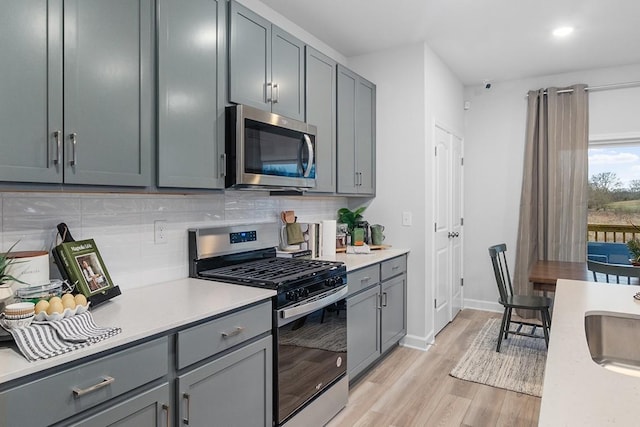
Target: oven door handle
{"points": [[315, 304]]}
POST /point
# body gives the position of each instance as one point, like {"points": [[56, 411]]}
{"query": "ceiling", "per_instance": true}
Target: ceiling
{"points": [[480, 39]]}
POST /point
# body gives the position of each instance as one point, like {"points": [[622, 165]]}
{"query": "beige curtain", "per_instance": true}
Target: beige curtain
{"points": [[553, 204]]}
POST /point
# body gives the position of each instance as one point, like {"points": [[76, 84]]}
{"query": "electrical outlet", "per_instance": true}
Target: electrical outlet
{"points": [[406, 219], [160, 231]]}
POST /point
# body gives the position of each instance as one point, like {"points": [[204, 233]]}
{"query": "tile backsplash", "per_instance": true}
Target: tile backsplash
{"points": [[123, 224]]}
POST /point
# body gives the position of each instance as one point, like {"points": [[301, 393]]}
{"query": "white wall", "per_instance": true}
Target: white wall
{"points": [[494, 149], [415, 89]]}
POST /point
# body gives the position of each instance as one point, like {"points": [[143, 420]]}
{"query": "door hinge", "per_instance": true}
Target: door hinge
{"points": [[461, 281], [461, 221], [435, 227], [461, 161], [435, 303], [436, 150]]}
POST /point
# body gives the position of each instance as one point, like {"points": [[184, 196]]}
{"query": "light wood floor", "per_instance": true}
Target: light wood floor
{"points": [[413, 388]]}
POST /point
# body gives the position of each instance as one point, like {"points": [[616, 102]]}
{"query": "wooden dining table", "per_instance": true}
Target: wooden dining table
{"points": [[544, 274]]}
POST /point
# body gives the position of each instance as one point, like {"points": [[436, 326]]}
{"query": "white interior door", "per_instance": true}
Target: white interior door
{"points": [[447, 228]]}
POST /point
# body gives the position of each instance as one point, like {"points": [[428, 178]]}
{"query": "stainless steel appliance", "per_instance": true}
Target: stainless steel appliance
{"points": [[309, 318], [267, 150]]}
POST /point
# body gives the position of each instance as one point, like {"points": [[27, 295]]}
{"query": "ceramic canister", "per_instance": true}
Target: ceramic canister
{"points": [[30, 267]]}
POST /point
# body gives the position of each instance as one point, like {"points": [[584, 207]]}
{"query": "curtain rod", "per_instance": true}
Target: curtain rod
{"points": [[602, 87]]}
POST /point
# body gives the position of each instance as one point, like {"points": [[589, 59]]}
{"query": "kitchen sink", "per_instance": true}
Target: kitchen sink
{"points": [[614, 341]]}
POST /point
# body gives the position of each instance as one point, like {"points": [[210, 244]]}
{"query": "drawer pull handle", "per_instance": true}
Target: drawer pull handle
{"points": [[365, 279], [77, 392], [165, 408], [395, 267], [187, 398], [236, 331]]}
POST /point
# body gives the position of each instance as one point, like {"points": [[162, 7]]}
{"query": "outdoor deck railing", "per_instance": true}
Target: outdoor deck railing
{"points": [[611, 233]]}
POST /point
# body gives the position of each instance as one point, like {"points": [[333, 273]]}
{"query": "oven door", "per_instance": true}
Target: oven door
{"points": [[311, 350]]}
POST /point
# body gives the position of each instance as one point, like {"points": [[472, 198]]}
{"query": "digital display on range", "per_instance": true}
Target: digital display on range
{"points": [[242, 237]]}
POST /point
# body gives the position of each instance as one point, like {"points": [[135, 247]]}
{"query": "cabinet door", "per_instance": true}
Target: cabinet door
{"points": [[365, 136], [234, 390], [31, 91], [249, 58], [287, 74], [321, 112], [107, 92], [148, 409], [191, 93], [346, 111], [363, 330], [394, 318]]}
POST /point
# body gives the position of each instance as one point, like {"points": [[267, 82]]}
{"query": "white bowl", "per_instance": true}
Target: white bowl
{"points": [[16, 323]]}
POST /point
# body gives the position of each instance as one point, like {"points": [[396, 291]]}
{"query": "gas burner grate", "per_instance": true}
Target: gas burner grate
{"points": [[270, 272]]}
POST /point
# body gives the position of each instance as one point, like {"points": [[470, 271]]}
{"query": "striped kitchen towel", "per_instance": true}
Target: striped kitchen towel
{"points": [[42, 340], [81, 328]]}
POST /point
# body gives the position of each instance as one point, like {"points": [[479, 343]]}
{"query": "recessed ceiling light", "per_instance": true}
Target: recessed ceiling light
{"points": [[562, 31]]}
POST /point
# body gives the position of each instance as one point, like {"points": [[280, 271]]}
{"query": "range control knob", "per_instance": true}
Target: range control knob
{"points": [[290, 296]]}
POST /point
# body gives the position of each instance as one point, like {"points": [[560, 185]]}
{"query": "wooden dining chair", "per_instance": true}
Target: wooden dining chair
{"points": [[619, 270], [510, 301]]}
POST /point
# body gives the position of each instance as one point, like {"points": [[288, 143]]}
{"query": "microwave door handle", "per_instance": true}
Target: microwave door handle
{"points": [[307, 140]]}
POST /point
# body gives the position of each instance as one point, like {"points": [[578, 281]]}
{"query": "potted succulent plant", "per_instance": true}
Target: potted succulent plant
{"points": [[634, 248], [6, 261]]}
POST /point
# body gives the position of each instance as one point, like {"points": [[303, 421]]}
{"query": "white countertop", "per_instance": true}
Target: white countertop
{"points": [[141, 313], [356, 261], [577, 391]]}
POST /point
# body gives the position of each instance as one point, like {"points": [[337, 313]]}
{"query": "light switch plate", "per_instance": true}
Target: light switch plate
{"points": [[406, 219]]}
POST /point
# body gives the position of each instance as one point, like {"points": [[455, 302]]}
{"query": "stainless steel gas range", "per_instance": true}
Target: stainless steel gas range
{"points": [[309, 317]]}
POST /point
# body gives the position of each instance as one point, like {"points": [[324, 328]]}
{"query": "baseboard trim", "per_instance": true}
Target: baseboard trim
{"points": [[483, 305], [417, 343]]}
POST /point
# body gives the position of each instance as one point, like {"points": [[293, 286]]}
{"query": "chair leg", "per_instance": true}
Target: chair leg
{"points": [[545, 325], [504, 319], [508, 325]]}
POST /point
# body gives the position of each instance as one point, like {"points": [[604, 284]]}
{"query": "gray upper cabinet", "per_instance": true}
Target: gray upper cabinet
{"points": [[356, 105], [31, 91], [266, 65], [321, 111], [97, 76], [191, 93]]}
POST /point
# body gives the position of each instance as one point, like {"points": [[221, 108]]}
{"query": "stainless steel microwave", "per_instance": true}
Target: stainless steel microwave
{"points": [[265, 150]]}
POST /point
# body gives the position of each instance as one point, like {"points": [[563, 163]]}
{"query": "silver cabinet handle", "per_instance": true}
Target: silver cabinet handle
{"points": [[379, 302], [56, 136], [384, 304], [236, 331], [74, 142], [277, 89], [187, 398], [223, 167], [268, 93], [165, 408], [106, 380], [395, 267], [365, 279]]}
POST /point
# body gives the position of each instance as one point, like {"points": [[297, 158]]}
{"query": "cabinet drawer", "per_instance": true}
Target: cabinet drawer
{"points": [[81, 387], [202, 341], [363, 278], [393, 267]]}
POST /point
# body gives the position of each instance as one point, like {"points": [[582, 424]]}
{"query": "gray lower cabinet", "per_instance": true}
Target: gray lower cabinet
{"points": [[321, 111], [148, 409], [377, 312], [233, 390], [77, 91], [191, 93], [356, 109], [84, 387], [266, 64]]}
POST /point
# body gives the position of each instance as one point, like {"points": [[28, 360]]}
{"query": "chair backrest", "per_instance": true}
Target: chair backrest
{"points": [[501, 270], [618, 270]]}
